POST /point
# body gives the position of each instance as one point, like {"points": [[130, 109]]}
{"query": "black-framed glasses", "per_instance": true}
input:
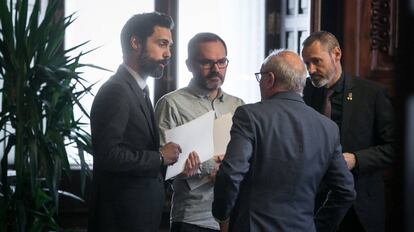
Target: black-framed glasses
{"points": [[208, 64], [259, 75]]}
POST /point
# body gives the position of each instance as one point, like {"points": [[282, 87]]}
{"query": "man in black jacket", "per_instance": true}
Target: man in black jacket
{"points": [[364, 114], [128, 185]]}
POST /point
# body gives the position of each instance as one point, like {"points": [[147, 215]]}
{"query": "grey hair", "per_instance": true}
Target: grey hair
{"points": [[326, 39], [290, 75]]}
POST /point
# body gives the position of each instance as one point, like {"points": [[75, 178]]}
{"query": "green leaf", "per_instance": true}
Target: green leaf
{"points": [[6, 20], [20, 26]]}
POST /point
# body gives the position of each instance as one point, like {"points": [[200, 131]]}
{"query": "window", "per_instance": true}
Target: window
{"points": [[295, 25]]}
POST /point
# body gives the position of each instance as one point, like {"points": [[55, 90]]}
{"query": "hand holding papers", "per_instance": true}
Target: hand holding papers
{"points": [[204, 135], [192, 165], [196, 135], [170, 153]]}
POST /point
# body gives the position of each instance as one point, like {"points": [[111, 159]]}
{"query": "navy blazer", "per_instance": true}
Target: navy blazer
{"points": [[367, 130], [127, 187], [279, 153]]}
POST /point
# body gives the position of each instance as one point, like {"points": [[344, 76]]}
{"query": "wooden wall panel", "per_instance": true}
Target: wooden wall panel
{"points": [[369, 40]]}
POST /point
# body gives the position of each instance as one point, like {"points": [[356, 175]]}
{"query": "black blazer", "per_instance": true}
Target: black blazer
{"points": [[280, 150], [367, 131], [127, 188]]}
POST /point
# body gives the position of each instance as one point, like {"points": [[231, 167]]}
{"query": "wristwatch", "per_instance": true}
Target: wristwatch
{"points": [[161, 157], [222, 221]]}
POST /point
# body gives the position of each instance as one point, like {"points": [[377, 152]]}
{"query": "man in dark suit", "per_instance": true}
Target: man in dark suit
{"points": [[128, 186], [363, 113], [280, 151]]}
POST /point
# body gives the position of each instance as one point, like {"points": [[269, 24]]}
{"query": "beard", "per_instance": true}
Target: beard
{"points": [[209, 83], [150, 66], [319, 81]]}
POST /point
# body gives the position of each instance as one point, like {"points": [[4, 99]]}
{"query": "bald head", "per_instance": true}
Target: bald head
{"points": [[289, 70]]}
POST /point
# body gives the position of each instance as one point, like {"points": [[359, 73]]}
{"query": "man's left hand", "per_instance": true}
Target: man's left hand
{"points": [[218, 159], [350, 160]]}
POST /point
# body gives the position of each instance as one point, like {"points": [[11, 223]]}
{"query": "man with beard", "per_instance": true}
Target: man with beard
{"points": [[363, 112], [193, 189], [128, 186]]}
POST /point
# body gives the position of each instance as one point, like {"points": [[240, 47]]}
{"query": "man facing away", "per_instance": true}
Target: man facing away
{"points": [[128, 186], [364, 114], [193, 194], [280, 151]]}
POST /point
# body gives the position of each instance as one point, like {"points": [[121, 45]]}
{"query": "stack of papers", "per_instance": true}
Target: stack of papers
{"points": [[206, 136]]}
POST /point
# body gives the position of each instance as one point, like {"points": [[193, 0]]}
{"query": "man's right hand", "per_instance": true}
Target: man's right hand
{"points": [[191, 164], [170, 152]]}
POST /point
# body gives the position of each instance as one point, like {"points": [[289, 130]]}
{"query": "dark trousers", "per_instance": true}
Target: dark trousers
{"points": [[185, 227], [351, 222]]}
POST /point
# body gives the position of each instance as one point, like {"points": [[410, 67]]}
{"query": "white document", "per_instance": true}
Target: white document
{"points": [[196, 135], [221, 137]]}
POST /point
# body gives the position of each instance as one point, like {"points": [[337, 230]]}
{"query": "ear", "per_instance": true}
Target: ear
{"points": [[189, 65], [269, 81], [337, 54], [135, 44]]}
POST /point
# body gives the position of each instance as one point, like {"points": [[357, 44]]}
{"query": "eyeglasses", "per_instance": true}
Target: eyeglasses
{"points": [[208, 64], [259, 75]]}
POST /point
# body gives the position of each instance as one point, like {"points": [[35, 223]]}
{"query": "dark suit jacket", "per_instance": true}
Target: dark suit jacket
{"points": [[366, 131], [128, 190], [280, 150]]}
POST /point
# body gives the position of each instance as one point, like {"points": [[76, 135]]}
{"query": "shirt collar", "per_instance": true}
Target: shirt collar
{"points": [[141, 82], [201, 92]]}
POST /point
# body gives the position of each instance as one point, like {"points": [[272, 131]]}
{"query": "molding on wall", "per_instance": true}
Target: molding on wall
{"points": [[380, 25]]}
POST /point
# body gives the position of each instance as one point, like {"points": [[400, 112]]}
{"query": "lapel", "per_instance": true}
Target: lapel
{"points": [[139, 93], [349, 95]]}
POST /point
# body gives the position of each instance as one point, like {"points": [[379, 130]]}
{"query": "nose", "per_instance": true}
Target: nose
{"points": [[311, 68], [215, 67], [167, 53]]}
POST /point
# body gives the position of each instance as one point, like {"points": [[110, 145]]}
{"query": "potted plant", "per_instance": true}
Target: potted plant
{"points": [[40, 86]]}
